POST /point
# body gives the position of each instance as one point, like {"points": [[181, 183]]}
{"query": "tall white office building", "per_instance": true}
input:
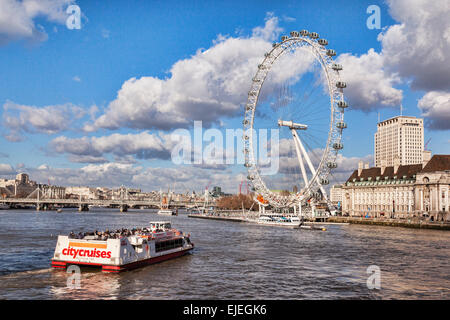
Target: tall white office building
{"points": [[400, 137]]}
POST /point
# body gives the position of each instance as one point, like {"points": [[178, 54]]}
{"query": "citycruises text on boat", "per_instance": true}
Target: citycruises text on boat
{"points": [[122, 249]]}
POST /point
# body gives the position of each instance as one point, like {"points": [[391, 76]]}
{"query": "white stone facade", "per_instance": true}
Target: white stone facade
{"points": [[400, 191], [401, 137], [336, 194]]}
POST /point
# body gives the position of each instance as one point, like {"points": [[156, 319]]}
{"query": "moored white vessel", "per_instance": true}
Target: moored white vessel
{"points": [[164, 209], [277, 219], [167, 212], [123, 249]]}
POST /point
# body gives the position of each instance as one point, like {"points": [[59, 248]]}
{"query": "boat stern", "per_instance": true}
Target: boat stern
{"points": [[83, 252]]}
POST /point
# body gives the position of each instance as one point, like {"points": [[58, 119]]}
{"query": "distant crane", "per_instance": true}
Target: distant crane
{"points": [[246, 186], [426, 145]]}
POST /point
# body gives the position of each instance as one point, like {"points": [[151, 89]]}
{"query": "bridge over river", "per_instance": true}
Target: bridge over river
{"points": [[83, 204]]}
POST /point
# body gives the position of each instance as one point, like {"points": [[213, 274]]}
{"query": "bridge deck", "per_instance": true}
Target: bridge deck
{"points": [[129, 202]]}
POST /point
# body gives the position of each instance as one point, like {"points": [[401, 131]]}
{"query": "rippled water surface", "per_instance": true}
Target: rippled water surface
{"points": [[231, 260]]}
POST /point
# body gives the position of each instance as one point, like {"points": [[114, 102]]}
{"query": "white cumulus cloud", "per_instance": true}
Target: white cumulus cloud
{"points": [[17, 18], [49, 119], [369, 85], [419, 47], [142, 145], [435, 107], [211, 84]]}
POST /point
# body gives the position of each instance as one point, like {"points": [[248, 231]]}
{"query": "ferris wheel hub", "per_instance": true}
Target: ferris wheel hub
{"points": [[292, 125]]}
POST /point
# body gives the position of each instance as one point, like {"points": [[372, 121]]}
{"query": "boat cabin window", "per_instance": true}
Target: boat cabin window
{"points": [[168, 244]]}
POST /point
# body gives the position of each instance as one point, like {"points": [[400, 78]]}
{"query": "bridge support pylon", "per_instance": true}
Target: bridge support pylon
{"points": [[83, 207], [123, 208]]}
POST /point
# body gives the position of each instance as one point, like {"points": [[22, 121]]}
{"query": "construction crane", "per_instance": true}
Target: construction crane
{"points": [[246, 186], [426, 145]]}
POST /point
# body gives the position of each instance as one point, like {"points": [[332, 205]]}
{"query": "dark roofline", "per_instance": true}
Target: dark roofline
{"points": [[436, 163], [439, 162]]}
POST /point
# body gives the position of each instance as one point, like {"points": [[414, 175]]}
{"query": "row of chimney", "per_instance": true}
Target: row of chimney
{"points": [[362, 165]]}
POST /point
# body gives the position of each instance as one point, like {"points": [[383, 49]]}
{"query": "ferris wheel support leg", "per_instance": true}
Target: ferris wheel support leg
{"points": [[311, 167], [299, 156]]}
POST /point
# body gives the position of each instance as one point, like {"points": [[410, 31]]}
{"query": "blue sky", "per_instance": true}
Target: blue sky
{"points": [[82, 72]]}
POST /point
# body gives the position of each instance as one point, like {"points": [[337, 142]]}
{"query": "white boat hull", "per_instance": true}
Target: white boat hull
{"points": [[294, 224], [166, 213]]}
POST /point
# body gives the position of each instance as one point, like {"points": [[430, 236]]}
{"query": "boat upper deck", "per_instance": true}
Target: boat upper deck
{"points": [[159, 230]]}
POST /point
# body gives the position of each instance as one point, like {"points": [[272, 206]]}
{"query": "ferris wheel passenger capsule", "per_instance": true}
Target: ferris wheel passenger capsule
{"points": [[323, 42], [337, 67], [284, 38], [332, 165], [294, 34], [341, 125], [342, 104], [341, 84], [304, 33], [338, 146], [313, 35], [331, 53], [274, 44], [324, 181]]}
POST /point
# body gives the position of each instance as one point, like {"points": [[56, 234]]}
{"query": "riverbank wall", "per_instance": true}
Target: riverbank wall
{"points": [[406, 223], [212, 217]]}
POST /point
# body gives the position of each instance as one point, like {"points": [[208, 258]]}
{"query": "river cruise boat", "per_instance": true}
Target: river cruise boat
{"points": [[277, 219], [123, 249], [167, 212]]}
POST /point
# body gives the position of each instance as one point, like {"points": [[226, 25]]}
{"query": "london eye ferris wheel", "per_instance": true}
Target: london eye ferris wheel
{"points": [[298, 90]]}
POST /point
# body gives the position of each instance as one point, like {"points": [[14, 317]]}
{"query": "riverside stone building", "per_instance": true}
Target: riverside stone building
{"points": [[400, 191], [21, 186]]}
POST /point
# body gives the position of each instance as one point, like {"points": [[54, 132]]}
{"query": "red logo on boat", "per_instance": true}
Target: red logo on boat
{"points": [[86, 253]]}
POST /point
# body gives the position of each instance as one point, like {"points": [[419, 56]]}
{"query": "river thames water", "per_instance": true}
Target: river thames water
{"points": [[230, 261]]}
